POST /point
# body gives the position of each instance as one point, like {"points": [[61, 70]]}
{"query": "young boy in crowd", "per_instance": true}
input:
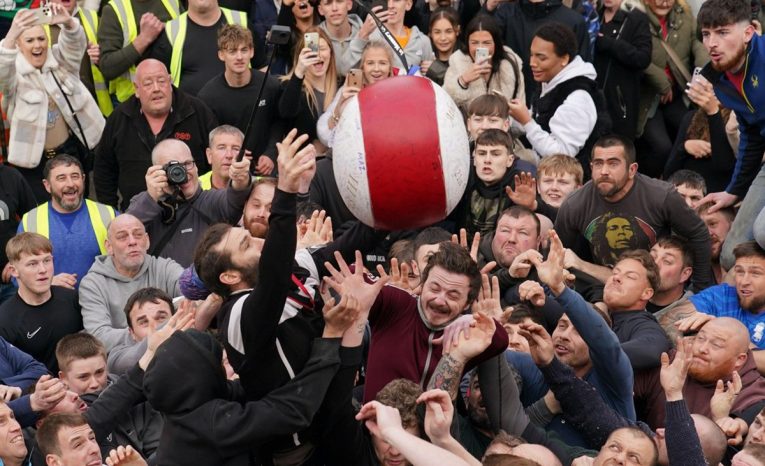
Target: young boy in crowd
{"points": [[495, 169], [491, 111], [690, 185]]}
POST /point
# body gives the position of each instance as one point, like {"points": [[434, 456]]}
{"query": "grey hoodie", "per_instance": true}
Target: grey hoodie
{"points": [[345, 59], [104, 292]]}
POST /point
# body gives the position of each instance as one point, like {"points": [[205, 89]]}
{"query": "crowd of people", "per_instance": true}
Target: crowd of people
{"points": [[183, 283]]}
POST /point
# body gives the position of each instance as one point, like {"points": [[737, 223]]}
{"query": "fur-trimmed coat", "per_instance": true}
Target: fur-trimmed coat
{"points": [[508, 81], [26, 90]]}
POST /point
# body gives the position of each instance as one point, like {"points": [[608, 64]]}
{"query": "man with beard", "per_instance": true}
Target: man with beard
{"points": [[258, 207], [737, 60], [720, 348], [744, 302], [75, 226], [718, 223], [617, 188], [675, 263]]}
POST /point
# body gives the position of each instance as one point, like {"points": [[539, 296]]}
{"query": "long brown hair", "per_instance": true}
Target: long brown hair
{"points": [[330, 77], [699, 126]]}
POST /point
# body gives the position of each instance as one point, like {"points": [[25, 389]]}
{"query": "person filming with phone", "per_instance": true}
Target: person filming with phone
{"points": [[41, 86], [484, 65], [376, 65]]}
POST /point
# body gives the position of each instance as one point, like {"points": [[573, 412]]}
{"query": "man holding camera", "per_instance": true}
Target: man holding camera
{"points": [[175, 209], [156, 112]]}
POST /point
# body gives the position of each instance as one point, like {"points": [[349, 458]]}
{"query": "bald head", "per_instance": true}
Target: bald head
{"points": [[537, 453], [122, 222], [127, 243], [153, 88], [737, 331], [712, 438], [170, 149]]}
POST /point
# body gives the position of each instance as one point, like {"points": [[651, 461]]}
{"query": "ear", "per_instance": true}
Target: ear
{"points": [[132, 334], [646, 294], [409, 4], [108, 246], [506, 125], [632, 170], [61, 375], [749, 32], [14, 272], [230, 277], [52, 460], [686, 274], [660, 432], [739, 361], [220, 55], [47, 185], [208, 153]]}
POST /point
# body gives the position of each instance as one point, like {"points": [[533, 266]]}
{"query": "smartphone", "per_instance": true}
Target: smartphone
{"points": [[354, 78], [481, 54], [312, 41], [43, 15], [382, 3]]}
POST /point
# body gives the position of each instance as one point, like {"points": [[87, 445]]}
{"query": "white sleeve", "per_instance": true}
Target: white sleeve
{"points": [[570, 127]]}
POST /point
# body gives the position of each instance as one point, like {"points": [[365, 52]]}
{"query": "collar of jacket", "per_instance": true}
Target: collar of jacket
{"points": [[24, 68], [180, 109]]}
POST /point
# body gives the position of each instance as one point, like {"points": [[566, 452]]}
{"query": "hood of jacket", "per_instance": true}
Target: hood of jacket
{"points": [[104, 265], [577, 67], [186, 372]]}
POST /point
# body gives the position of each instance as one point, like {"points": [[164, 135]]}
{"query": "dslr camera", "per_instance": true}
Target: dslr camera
{"points": [[176, 173]]}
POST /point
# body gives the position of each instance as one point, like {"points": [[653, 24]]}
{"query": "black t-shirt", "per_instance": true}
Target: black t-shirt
{"points": [[200, 56], [233, 105], [37, 329], [16, 199]]}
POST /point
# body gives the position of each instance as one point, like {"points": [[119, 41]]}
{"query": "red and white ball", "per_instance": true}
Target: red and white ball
{"points": [[401, 154]]}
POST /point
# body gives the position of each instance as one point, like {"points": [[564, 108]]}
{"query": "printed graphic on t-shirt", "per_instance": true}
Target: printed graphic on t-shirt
{"points": [[5, 212], [614, 232]]}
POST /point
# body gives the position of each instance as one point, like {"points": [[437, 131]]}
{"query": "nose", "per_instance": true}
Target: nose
{"points": [[757, 435]]}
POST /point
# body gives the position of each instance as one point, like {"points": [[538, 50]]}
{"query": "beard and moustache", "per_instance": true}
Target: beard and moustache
{"points": [[729, 64]]}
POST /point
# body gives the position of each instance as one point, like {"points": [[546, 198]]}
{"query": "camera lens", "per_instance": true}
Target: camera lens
{"points": [[176, 173]]}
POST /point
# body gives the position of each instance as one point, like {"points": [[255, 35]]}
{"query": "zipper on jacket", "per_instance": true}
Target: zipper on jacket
{"points": [[743, 92]]}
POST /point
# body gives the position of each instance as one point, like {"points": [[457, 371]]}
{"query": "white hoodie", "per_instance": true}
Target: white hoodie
{"points": [[574, 119]]}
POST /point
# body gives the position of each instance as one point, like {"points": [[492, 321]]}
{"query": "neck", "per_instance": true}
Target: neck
{"points": [[58, 208], [218, 182], [608, 14], [622, 192], [238, 79], [341, 31], [581, 371], [718, 271], [13, 462], [396, 29], [205, 17], [32, 298], [127, 272], [665, 298], [739, 66], [303, 23], [443, 56], [315, 82]]}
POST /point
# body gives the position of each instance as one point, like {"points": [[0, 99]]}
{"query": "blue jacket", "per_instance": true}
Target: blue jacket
{"points": [[18, 369], [611, 372], [750, 112]]}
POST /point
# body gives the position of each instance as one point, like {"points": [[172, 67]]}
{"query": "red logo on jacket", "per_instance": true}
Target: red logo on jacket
{"points": [[183, 136]]}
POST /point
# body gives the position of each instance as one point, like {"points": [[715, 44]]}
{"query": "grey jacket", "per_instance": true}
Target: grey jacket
{"points": [[205, 209], [104, 291], [344, 57], [417, 49]]}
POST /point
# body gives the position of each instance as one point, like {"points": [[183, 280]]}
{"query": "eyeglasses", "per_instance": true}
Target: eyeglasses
{"points": [[188, 165]]}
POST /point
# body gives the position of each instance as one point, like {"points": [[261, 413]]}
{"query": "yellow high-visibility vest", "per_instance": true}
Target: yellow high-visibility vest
{"points": [[205, 181], [38, 221], [122, 86], [176, 34]]}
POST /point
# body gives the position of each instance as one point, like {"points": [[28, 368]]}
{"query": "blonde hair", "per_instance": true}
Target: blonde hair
{"points": [[377, 45], [330, 77]]}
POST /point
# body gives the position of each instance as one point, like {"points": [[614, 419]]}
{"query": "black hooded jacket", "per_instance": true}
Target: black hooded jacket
{"points": [[186, 382]]}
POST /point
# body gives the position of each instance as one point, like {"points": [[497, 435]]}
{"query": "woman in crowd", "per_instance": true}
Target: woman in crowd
{"points": [[444, 31], [676, 51], [310, 88], [42, 89], [702, 143], [376, 64], [499, 72]]}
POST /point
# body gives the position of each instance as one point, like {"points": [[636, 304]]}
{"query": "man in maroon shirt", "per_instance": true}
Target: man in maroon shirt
{"points": [[407, 329]]}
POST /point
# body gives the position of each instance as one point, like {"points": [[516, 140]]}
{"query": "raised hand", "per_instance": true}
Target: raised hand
{"points": [[9, 393], [693, 322], [673, 375], [339, 317], [532, 292], [522, 263], [724, 397], [551, 272], [125, 456], [379, 418], [183, 319], [294, 162], [719, 201], [239, 173], [48, 392], [540, 343], [464, 346], [318, 231], [462, 241], [488, 300], [439, 412], [399, 275], [525, 193], [344, 281]]}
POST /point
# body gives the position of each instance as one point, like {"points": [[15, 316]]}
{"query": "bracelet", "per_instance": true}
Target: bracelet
{"points": [[335, 118], [461, 84]]}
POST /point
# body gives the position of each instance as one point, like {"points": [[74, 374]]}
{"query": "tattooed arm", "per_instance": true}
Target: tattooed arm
{"points": [[670, 316], [448, 375]]}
